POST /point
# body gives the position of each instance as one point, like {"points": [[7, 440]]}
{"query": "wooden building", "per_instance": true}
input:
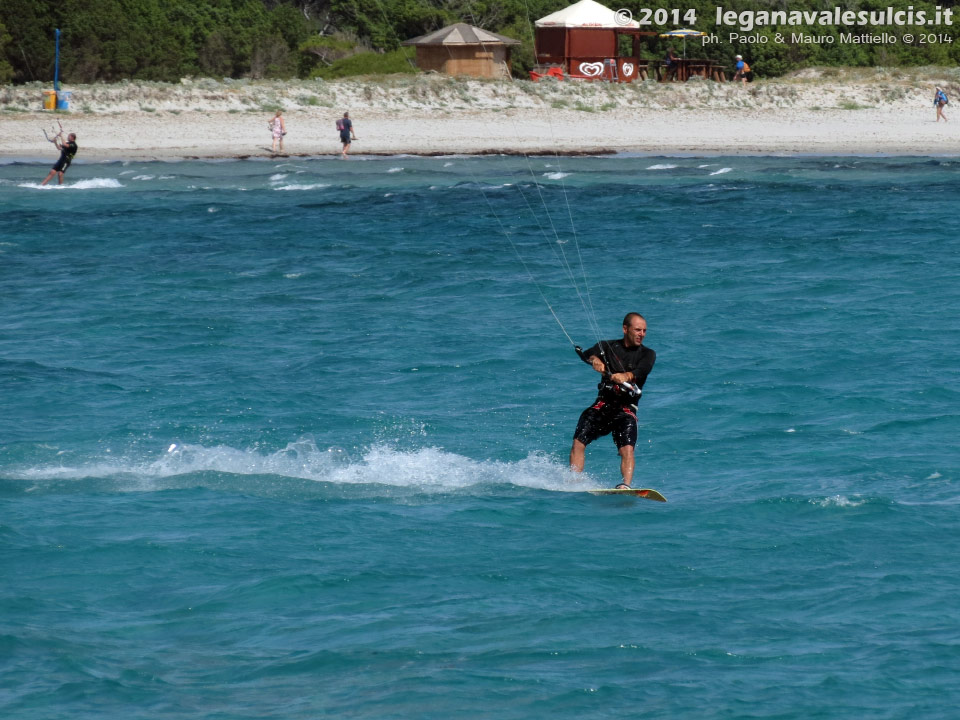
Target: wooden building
{"points": [[585, 39], [463, 49]]}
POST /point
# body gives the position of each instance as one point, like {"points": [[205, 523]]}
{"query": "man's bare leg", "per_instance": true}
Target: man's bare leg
{"points": [[626, 464], [577, 453]]}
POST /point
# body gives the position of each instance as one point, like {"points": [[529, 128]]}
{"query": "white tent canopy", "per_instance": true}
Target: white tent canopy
{"points": [[585, 14]]}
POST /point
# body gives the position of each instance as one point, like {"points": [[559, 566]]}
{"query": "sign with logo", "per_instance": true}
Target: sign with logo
{"points": [[591, 69]]}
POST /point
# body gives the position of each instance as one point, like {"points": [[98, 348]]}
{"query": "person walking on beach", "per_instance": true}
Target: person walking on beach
{"points": [[672, 65], [624, 365], [279, 129], [67, 150], [741, 70], [939, 102], [345, 126]]}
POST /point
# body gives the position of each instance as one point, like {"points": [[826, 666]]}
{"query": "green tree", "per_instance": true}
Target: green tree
{"points": [[6, 69], [31, 49], [166, 39]]}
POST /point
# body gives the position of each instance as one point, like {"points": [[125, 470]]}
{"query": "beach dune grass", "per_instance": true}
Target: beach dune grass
{"points": [[391, 82]]}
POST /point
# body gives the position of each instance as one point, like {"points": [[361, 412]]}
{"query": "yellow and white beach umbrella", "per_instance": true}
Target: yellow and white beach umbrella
{"points": [[683, 33]]}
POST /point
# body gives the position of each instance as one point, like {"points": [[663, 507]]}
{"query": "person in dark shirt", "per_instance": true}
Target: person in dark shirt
{"points": [[345, 126], [672, 64], [67, 150], [624, 365]]}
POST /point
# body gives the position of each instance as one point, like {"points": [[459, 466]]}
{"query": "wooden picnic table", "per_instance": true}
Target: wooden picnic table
{"points": [[643, 70], [687, 68]]}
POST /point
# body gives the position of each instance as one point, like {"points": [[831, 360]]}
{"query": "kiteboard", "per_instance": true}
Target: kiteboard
{"points": [[645, 493]]}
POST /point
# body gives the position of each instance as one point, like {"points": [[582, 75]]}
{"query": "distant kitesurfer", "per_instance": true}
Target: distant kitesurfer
{"points": [[67, 150], [345, 126], [624, 365]]}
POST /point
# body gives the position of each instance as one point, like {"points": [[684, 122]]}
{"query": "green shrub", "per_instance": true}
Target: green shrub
{"points": [[369, 63]]}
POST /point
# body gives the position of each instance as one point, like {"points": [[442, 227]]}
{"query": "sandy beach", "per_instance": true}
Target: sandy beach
{"points": [[825, 111]]}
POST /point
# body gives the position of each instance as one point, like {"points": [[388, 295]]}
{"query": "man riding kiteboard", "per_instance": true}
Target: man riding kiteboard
{"points": [[624, 365]]}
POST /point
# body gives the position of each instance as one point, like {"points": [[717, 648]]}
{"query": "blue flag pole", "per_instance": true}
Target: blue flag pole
{"points": [[56, 66]]}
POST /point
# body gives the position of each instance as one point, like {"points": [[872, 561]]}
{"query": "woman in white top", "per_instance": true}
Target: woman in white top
{"points": [[279, 129]]}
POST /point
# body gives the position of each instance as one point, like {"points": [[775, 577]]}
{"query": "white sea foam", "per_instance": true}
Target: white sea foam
{"points": [[721, 171], [395, 170], [428, 468], [144, 177], [89, 184], [277, 177], [95, 184], [314, 186], [556, 175], [839, 501], [662, 167]]}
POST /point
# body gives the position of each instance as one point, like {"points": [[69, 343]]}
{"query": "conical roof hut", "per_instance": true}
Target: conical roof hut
{"points": [[463, 49]]}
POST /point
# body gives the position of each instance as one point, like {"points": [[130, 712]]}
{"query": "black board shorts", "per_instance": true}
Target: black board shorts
{"points": [[603, 418], [62, 165], [345, 137]]}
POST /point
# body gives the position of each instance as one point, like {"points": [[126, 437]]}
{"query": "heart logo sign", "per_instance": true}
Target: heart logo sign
{"points": [[627, 69], [593, 69]]}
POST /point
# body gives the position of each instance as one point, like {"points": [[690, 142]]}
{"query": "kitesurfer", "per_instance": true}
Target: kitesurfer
{"points": [[67, 150], [624, 365]]}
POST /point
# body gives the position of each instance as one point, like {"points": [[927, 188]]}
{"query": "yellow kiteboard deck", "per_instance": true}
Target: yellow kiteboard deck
{"points": [[646, 493]]}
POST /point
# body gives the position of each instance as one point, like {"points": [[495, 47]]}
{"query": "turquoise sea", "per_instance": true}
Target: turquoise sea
{"points": [[288, 439]]}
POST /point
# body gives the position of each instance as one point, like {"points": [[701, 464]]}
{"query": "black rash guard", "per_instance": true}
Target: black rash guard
{"points": [[67, 152], [619, 358]]}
